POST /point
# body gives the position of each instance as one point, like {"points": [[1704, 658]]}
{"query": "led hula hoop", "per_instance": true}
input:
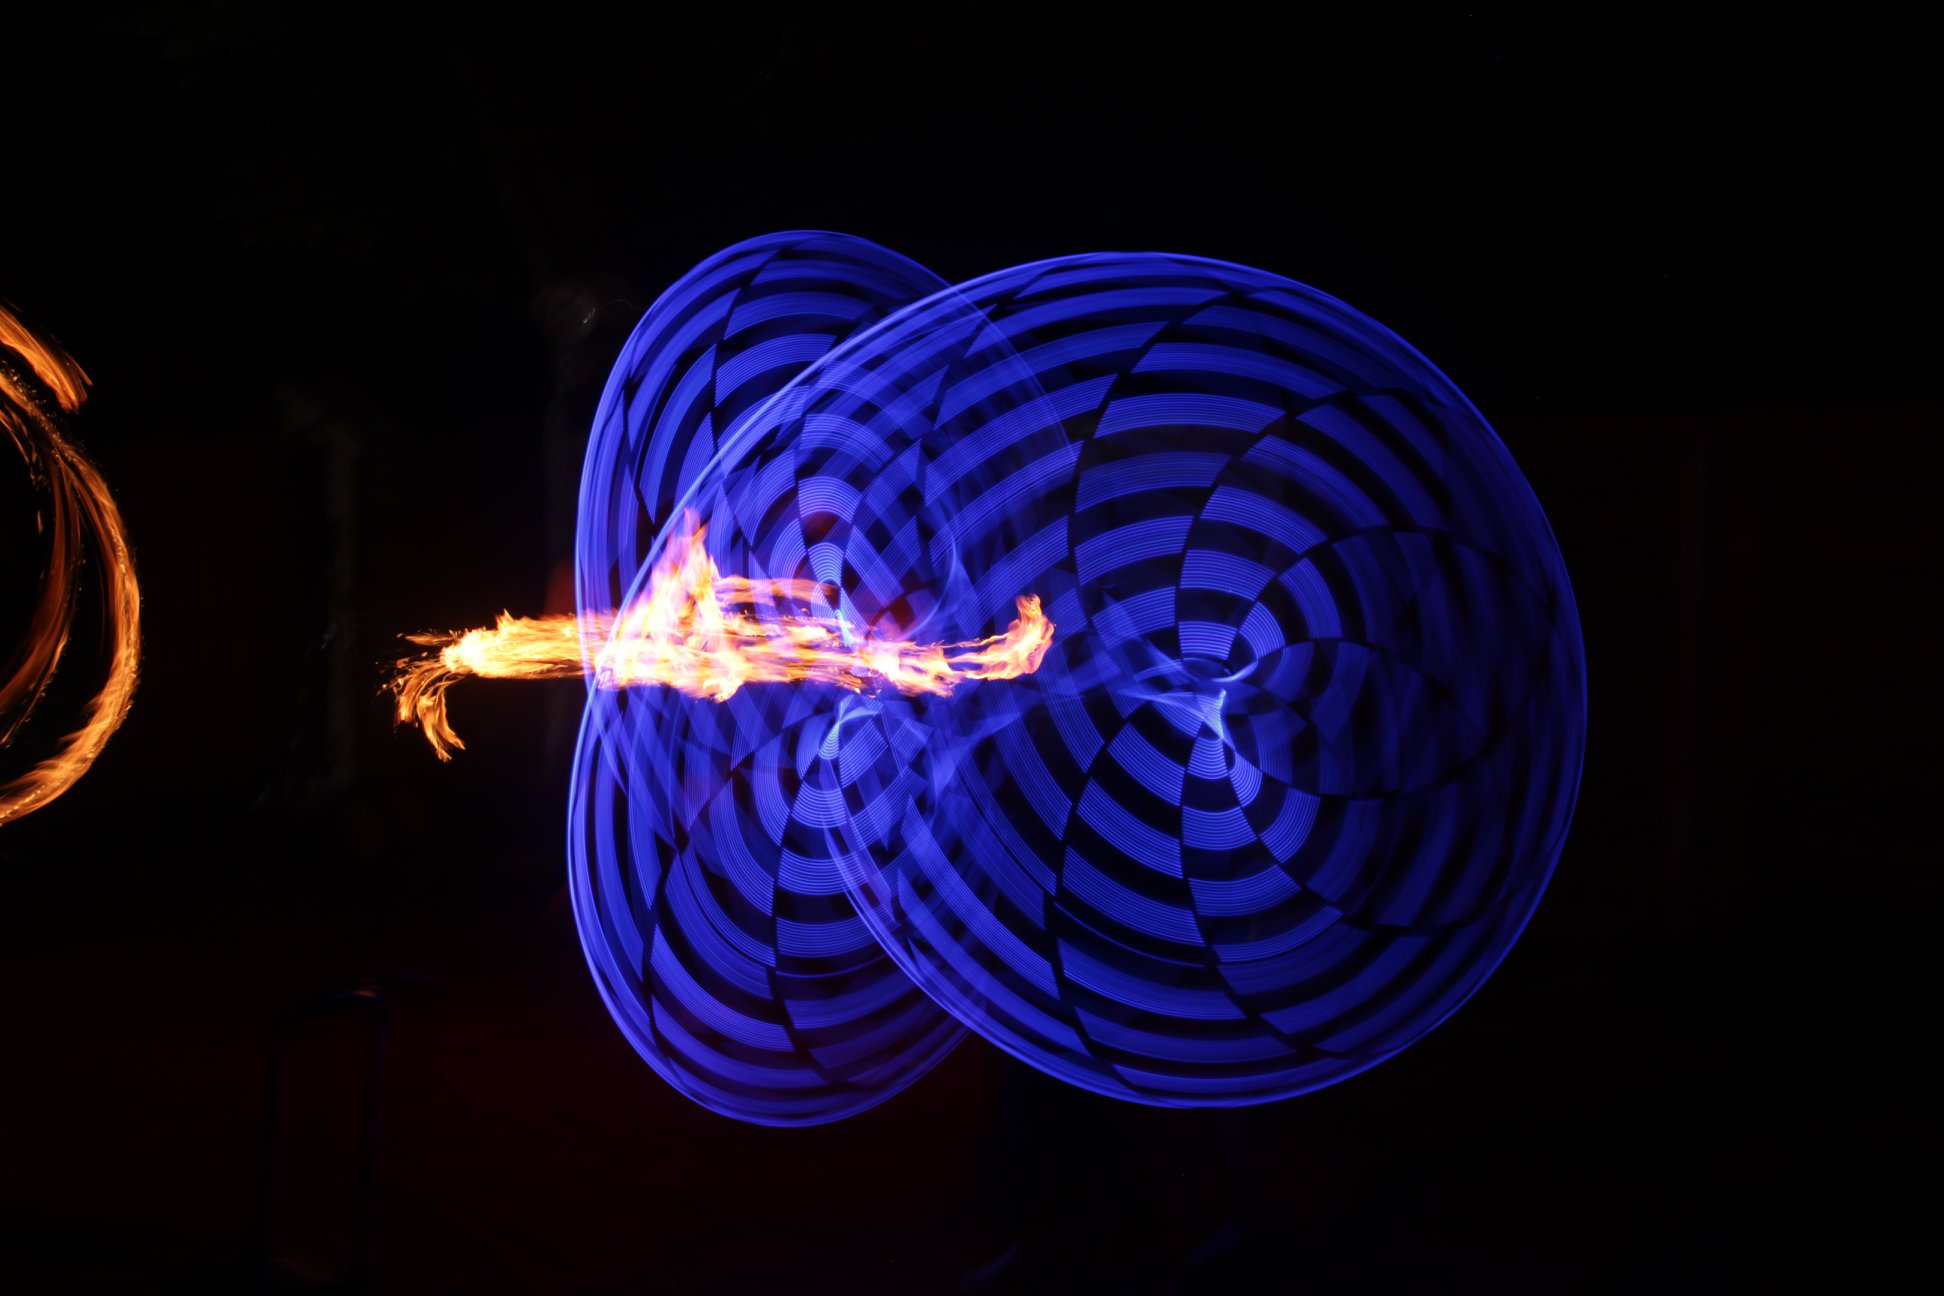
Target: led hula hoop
{"points": [[1288, 784]]}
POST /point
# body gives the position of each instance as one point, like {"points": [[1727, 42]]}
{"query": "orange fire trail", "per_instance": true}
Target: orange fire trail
{"points": [[79, 509], [707, 635]]}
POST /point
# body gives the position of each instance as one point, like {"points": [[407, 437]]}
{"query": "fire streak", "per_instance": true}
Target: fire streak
{"points": [[78, 509], [706, 635]]}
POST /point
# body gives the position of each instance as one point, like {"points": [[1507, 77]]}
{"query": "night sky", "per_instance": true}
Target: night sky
{"points": [[348, 283]]}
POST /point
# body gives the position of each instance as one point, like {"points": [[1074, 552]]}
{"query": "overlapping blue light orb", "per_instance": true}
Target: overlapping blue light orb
{"points": [[1286, 788]]}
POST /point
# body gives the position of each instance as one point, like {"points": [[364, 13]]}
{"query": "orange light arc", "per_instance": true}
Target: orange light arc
{"points": [[80, 517]]}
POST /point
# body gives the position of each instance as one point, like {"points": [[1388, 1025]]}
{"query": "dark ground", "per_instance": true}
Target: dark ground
{"points": [[347, 287]]}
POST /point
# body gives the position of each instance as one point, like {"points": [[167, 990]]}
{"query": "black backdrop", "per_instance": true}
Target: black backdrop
{"points": [[347, 284]]}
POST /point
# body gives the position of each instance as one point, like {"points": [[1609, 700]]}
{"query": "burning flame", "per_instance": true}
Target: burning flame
{"points": [[79, 508], [707, 635]]}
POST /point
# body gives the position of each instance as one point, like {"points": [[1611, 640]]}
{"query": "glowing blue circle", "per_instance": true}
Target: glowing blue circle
{"points": [[1286, 788]]}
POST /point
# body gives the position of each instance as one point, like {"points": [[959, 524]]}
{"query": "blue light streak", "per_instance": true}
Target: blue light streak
{"points": [[1288, 786]]}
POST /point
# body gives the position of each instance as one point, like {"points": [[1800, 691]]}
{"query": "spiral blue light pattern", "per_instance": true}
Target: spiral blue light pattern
{"points": [[1286, 788]]}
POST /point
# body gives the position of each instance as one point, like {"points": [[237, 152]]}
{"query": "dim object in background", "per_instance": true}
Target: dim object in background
{"points": [[315, 1217], [1288, 784], [72, 524]]}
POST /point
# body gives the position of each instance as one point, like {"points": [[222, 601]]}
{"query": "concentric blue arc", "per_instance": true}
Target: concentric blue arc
{"points": [[1288, 785]]}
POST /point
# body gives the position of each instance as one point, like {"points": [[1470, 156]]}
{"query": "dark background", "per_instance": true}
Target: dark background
{"points": [[347, 285]]}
